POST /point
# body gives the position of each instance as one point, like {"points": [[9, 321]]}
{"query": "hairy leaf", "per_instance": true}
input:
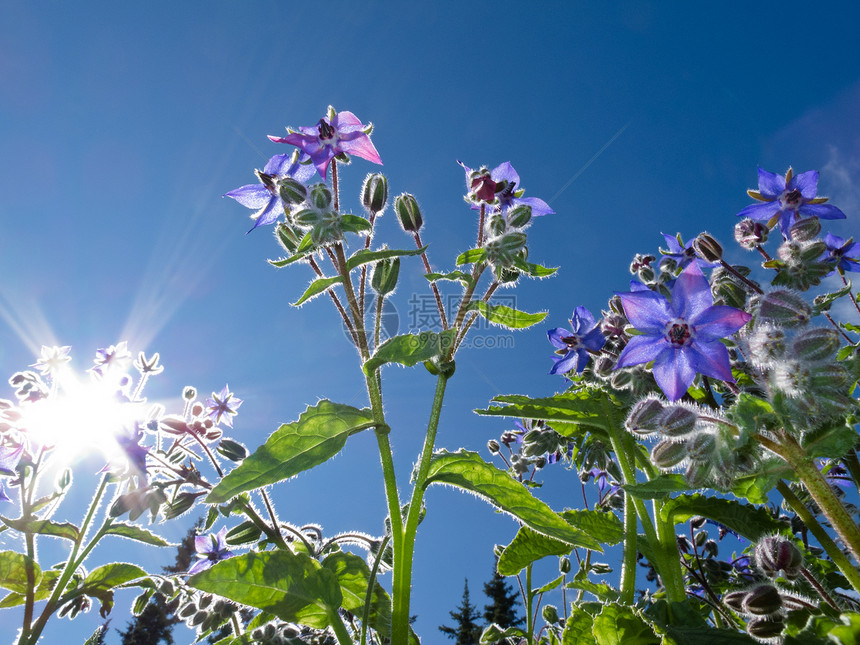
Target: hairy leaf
{"points": [[577, 628], [13, 572], [44, 527], [363, 256], [319, 434], [751, 522], [657, 488], [353, 574], [138, 533], [410, 349], [505, 316], [317, 287], [620, 625], [460, 276], [534, 270], [472, 256]]}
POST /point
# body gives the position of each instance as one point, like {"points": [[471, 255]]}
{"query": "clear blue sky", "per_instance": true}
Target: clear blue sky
{"points": [[122, 124]]}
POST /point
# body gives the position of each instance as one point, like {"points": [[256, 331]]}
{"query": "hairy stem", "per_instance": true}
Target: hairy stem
{"points": [[442, 318]]}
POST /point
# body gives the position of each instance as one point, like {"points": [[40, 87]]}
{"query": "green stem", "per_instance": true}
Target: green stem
{"points": [[339, 628], [371, 583], [839, 558], [840, 519], [403, 583], [628, 565], [71, 565], [529, 598]]}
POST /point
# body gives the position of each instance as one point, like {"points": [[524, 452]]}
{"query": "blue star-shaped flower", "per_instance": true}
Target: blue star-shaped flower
{"points": [[843, 251], [502, 183], [223, 406], [682, 337], [787, 198], [210, 549], [573, 347]]}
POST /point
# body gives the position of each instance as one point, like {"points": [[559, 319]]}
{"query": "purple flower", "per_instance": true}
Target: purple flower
{"points": [[682, 254], [9, 458], [503, 183], [210, 549], [264, 197], [573, 347], [223, 406], [135, 453], [111, 358], [843, 251], [342, 132], [787, 198], [52, 359], [682, 337]]}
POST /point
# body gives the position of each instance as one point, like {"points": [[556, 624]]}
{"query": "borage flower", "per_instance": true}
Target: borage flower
{"points": [[844, 252], [115, 357], [573, 347], [52, 359], [223, 406], [787, 198], [682, 254], [341, 132], [502, 183], [682, 337], [264, 197], [210, 549]]}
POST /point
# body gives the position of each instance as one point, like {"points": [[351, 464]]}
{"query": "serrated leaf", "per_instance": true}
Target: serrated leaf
{"points": [[353, 574], [319, 434], [454, 276], [752, 522], [472, 256], [138, 533], [493, 634], [13, 571], [755, 488], [111, 575], [468, 471], [600, 590], [44, 527], [291, 586], [534, 270], [658, 488], [505, 316], [619, 625], [317, 287], [410, 349], [363, 256], [549, 586], [43, 591], [96, 638], [577, 628], [528, 546], [605, 527]]}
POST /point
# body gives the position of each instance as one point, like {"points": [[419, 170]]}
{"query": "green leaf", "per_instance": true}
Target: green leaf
{"points": [[602, 591], [410, 349], [468, 471], [619, 625], [317, 287], [96, 638], [363, 256], [355, 224], [111, 575], [751, 522], [549, 586], [13, 572], [353, 574], [577, 628], [43, 591], [603, 526], [658, 488], [528, 546], [44, 527], [291, 586], [454, 276], [319, 434], [472, 256], [755, 487], [493, 634], [823, 302], [505, 316], [830, 442], [753, 414], [133, 532], [306, 244], [533, 270], [584, 409], [293, 258]]}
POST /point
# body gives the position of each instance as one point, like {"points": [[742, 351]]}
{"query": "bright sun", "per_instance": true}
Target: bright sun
{"points": [[81, 415]]}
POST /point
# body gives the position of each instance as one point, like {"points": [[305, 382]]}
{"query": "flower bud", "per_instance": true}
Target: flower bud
{"points": [[385, 274], [603, 366], [784, 308], [374, 193], [292, 191], [763, 600], [805, 229], [231, 450], [668, 454], [408, 213], [612, 325], [697, 522], [698, 474], [320, 197], [496, 225], [540, 462], [816, 345], [774, 554], [707, 248], [767, 344], [550, 614], [621, 379], [493, 446], [189, 393], [645, 416], [564, 565], [646, 274], [734, 600], [678, 420], [700, 447], [512, 242], [287, 237], [765, 629], [520, 216], [749, 233]]}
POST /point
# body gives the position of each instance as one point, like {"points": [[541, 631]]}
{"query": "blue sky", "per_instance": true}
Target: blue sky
{"points": [[123, 124]]}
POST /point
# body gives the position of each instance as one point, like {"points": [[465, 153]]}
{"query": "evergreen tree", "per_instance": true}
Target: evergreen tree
{"points": [[467, 631], [503, 608]]}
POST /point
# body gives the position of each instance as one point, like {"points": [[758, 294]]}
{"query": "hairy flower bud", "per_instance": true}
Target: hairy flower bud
{"points": [[734, 600], [408, 213], [550, 614], [775, 554], [818, 344], [520, 216], [320, 197], [385, 274], [805, 229], [496, 225], [493, 446], [287, 237], [374, 193], [678, 421], [668, 454], [644, 418], [766, 344], [564, 565], [701, 446], [749, 233], [765, 629], [708, 248], [784, 308], [292, 191], [763, 600], [698, 474]]}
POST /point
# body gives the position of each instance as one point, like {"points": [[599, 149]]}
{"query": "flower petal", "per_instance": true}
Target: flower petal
{"points": [[674, 371], [539, 207], [806, 183], [582, 320], [505, 172], [760, 211], [824, 211], [269, 214], [254, 196], [345, 119], [566, 363], [641, 349], [718, 322], [691, 293], [361, 146], [556, 335], [770, 184], [712, 359], [647, 311]]}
